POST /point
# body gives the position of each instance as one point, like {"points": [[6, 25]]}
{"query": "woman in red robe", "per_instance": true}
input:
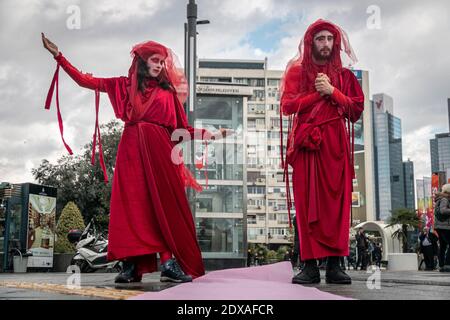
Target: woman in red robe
{"points": [[149, 210], [325, 99]]}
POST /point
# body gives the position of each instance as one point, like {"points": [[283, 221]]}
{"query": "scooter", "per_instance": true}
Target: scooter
{"points": [[92, 249]]}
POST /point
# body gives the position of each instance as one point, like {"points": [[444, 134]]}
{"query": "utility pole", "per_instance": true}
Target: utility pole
{"points": [[190, 67]]}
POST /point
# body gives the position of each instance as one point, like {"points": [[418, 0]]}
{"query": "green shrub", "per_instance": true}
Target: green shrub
{"points": [[70, 218], [272, 255], [281, 252]]}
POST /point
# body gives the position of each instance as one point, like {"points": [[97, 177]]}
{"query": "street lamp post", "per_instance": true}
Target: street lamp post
{"points": [[190, 65]]}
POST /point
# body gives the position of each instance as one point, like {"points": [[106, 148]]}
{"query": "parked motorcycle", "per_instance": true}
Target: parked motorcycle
{"points": [[92, 249]]}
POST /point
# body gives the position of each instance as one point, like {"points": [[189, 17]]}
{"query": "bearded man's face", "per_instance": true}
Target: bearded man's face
{"points": [[323, 45]]}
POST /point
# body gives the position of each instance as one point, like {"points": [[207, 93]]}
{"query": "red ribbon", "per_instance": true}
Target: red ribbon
{"points": [[48, 102], [94, 141]]}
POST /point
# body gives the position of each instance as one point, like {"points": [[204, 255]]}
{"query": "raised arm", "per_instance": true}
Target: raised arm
{"points": [[82, 79]]}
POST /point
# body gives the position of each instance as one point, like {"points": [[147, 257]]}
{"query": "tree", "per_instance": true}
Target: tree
{"points": [[407, 218], [69, 219], [281, 252], [78, 181], [271, 256], [261, 253]]}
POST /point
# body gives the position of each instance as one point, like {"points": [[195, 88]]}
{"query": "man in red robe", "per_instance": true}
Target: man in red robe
{"points": [[323, 99]]}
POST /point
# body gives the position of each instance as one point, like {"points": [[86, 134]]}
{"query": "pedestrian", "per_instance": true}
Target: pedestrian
{"points": [[442, 226], [427, 242], [361, 246], [377, 254]]}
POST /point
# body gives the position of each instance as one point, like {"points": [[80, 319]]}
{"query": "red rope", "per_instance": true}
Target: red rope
{"points": [[285, 166], [48, 101], [206, 164], [94, 142]]}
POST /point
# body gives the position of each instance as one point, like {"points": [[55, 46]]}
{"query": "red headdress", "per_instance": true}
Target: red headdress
{"points": [[172, 72], [303, 60]]}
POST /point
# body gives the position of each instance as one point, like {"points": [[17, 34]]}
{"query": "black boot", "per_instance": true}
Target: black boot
{"points": [[334, 273], [309, 274], [128, 273], [171, 272]]}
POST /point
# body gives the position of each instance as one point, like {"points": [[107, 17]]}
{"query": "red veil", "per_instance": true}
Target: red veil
{"points": [[302, 63], [303, 59], [171, 72]]}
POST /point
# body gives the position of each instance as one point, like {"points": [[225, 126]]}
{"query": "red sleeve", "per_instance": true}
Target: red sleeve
{"points": [[351, 99], [292, 101], [82, 79]]}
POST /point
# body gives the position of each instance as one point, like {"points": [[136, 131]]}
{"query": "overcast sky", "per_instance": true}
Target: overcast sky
{"points": [[407, 58]]}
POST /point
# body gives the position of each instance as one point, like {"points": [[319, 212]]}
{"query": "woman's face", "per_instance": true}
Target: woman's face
{"points": [[155, 63]]}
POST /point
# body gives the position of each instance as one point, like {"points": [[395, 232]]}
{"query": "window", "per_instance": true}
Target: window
{"points": [[220, 199], [256, 190], [220, 235], [260, 122], [258, 95], [282, 219], [214, 79]]}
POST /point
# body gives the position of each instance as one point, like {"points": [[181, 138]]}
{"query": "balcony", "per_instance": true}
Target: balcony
{"points": [[256, 182], [256, 209], [256, 114], [256, 239], [279, 239]]}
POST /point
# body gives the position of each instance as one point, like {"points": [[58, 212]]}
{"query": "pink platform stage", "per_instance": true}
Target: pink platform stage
{"points": [[268, 282]]}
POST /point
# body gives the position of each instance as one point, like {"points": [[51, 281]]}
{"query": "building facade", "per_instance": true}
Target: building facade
{"points": [[440, 152], [266, 210], [363, 197], [220, 210], [390, 171], [408, 174]]}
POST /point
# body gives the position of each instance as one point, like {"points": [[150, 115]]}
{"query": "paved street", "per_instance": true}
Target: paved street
{"points": [[98, 286]]}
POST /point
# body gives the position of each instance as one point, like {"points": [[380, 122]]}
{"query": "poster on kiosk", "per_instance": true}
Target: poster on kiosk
{"points": [[41, 229]]}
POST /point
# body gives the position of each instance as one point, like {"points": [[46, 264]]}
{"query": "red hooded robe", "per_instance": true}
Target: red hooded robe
{"points": [[322, 179], [149, 210]]}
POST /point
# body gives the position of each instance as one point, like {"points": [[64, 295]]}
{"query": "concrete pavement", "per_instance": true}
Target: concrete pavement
{"points": [[383, 285]]}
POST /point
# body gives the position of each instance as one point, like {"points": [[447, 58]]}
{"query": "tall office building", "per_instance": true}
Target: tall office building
{"points": [[390, 181], [440, 152], [448, 109], [408, 174], [363, 197]]}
